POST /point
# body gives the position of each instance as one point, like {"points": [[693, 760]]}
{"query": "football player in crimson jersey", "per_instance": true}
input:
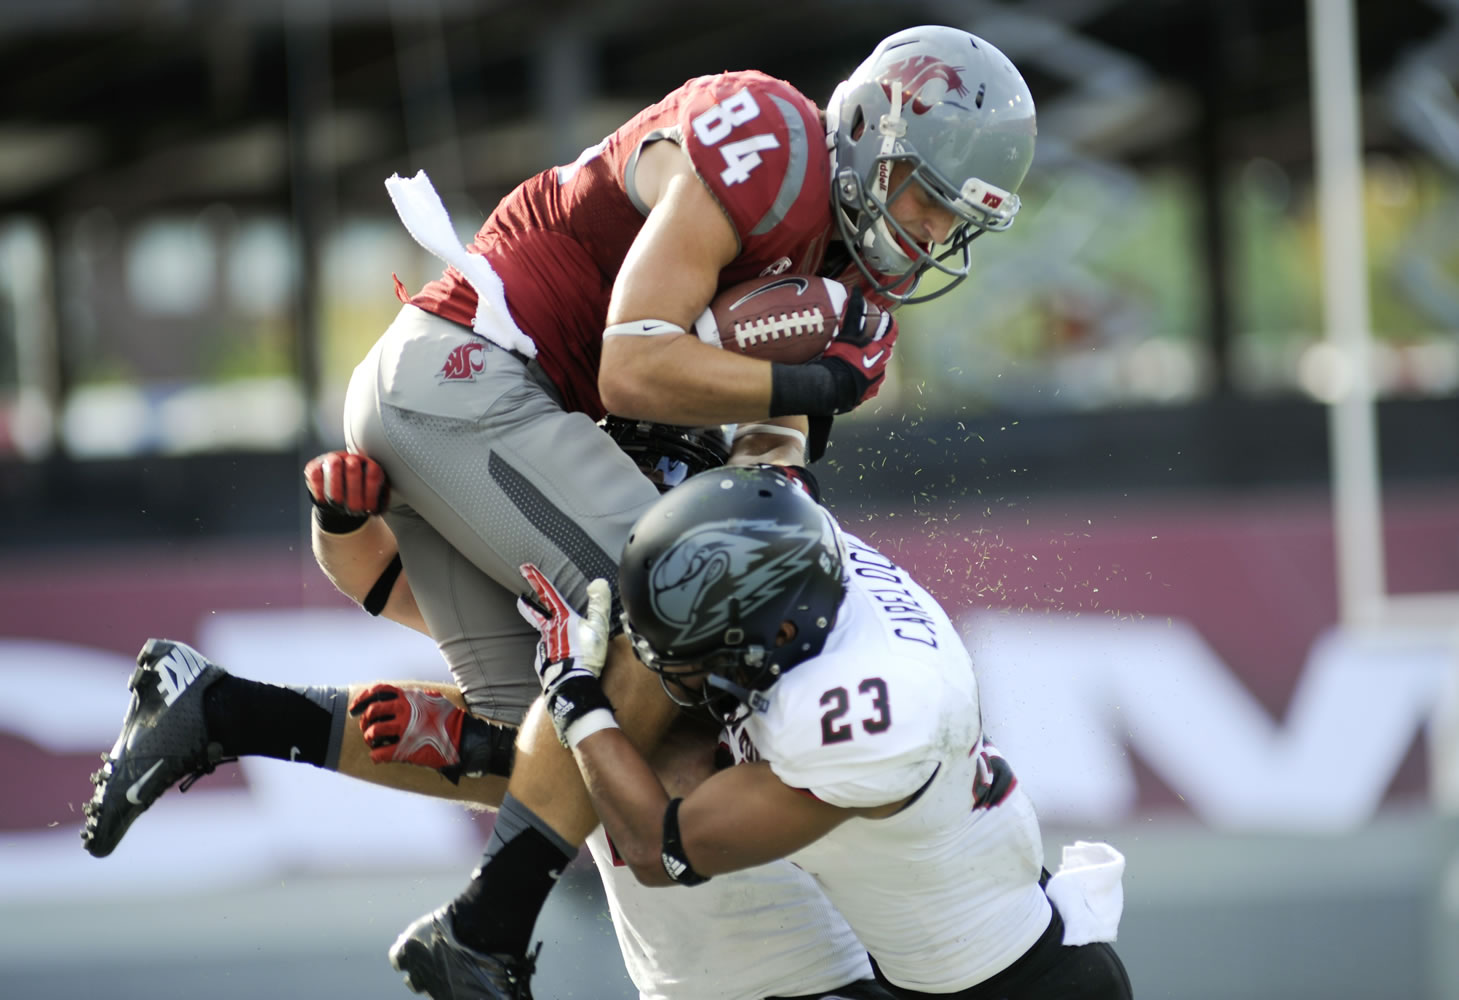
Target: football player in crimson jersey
{"points": [[479, 402], [851, 707]]}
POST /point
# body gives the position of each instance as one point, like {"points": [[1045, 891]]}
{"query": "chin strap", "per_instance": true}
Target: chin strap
{"points": [[892, 128]]}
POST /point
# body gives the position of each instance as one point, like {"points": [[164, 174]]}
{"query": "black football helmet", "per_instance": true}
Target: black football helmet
{"points": [[710, 572], [665, 453]]}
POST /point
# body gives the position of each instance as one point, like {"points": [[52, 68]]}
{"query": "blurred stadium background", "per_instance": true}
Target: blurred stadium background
{"points": [[1182, 456]]}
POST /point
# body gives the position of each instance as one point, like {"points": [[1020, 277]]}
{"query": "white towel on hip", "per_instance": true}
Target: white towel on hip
{"points": [[1088, 891], [420, 208]]}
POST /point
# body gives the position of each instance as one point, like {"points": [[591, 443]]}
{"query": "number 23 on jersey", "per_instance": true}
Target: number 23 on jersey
{"points": [[872, 706]]}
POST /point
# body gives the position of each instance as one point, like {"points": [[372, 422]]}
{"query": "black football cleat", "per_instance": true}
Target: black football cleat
{"points": [[443, 968], [163, 740]]}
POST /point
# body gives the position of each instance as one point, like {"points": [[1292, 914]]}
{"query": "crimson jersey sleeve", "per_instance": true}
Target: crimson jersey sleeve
{"points": [[758, 145]]}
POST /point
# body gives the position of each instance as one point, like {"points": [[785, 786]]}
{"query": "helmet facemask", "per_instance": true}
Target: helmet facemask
{"points": [[729, 680]]}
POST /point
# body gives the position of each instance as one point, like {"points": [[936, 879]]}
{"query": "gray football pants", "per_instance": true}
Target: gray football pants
{"points": [[487, 471]]}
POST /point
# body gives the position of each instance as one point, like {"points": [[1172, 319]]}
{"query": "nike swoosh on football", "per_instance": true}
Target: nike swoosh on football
{"points": [[868, 362], [801, 285], [137, 785]]}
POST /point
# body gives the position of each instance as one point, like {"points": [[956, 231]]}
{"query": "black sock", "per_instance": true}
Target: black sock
{"points": [[524, 858], [248, 718]]}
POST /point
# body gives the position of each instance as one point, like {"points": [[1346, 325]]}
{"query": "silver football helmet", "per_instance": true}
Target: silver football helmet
{"points": [[953, 109]]}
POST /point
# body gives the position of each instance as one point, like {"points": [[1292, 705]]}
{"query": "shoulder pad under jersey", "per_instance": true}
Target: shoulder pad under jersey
{"points": [[854, 734], [757, 143]]}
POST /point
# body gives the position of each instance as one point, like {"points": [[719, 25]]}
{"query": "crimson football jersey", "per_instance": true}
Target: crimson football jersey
{"points": [[559, 239]]}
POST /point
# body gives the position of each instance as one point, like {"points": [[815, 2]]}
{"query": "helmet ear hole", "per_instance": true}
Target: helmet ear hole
{"points": [[858, 124]]}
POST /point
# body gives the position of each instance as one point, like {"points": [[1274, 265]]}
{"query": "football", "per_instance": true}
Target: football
{"points": [[788, 318]]}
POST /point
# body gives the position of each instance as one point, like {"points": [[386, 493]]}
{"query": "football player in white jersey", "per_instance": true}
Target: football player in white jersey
{"points": [[688, 948], [850, 703]]}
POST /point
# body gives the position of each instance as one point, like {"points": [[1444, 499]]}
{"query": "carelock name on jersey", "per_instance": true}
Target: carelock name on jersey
{"points": [[894, 598]]}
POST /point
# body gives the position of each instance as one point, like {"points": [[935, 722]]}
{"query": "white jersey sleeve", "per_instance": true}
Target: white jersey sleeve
{"points": [[852, 730], [867, 721]]}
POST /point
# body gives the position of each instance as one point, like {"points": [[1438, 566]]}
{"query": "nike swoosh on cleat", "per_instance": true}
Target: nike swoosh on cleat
{"points": [[137, 785], [868, 362]]}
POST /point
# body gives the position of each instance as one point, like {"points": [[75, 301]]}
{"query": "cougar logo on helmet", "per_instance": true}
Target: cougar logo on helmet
{"points": [[726, 566], [916, 73]]}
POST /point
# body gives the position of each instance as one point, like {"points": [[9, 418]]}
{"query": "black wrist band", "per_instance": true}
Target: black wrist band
{"points": [[379, 594], [811, 389], [338, 522]]}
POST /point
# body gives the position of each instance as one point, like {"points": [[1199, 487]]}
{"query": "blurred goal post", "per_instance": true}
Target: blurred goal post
{"points": [[1363, 598]]}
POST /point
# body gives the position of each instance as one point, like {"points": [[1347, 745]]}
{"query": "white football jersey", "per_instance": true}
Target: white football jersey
{"points": [[764, 931], [944, 894]]}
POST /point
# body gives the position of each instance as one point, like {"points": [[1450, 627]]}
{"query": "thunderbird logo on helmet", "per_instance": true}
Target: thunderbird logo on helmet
{"points": [[693, 584], [917, 72], [463, 363]]}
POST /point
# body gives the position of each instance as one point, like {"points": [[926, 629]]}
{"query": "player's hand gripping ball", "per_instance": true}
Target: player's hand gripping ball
{"points": [[789, 318]]}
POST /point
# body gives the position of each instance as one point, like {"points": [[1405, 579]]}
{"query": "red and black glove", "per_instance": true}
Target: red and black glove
{"points": [[409, 725], [848, 373], [345, 488], [570, 655], [421, 727], [863, 346]]}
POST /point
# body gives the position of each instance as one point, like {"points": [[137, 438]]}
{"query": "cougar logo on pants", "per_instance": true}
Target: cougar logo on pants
{"points": [[463, 363]]}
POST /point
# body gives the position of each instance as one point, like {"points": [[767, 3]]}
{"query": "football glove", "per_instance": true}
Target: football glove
{"points": [[570, 655], [421, 727], [345, 488], [858, 356], [409, 725]]}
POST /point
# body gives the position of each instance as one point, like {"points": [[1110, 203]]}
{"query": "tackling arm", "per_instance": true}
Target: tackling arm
{"points": [[741, 817], [781, 441]]}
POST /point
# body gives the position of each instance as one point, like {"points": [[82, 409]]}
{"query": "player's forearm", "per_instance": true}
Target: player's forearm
{"points": [[675, 379], [629, 800], [781, 441]]}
